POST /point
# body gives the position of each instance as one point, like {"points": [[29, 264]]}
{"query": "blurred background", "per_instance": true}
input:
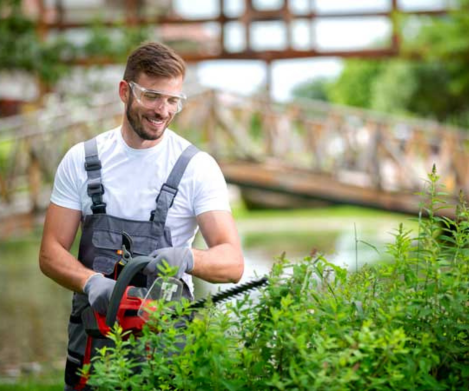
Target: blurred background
{"points": [[325, 117]]}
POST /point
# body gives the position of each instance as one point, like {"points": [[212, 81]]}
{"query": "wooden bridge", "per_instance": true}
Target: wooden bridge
{"points": [[307, 149], [330, 153]]}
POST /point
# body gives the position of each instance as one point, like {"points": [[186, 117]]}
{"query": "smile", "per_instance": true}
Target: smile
{"points": [[155, 121]]}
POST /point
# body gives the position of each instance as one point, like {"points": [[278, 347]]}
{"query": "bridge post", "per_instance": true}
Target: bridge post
{"points": [[375, 166], [211, 131], [4, 189], [34, 180]]}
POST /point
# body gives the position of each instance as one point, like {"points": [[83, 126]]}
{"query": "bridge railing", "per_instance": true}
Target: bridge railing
{"points": [[32, 145], [346, 145], [349, 145]]}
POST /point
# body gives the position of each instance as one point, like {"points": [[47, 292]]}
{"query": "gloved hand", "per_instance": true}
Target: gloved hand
{"points": [[99, 290], [175, 256]]}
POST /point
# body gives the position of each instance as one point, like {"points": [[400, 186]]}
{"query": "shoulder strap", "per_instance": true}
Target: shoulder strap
{"points": [[95, 188], [168, 191]]}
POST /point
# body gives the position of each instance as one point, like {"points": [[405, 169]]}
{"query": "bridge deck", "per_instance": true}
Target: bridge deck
{"points": [[316, 186]]}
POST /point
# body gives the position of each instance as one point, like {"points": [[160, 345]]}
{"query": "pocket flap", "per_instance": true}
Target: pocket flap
{"points": [[104, 265], [109, 240]]}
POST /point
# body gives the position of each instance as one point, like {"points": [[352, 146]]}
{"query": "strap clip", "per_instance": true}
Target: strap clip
{"points": [[95, 189], [93, 165], [171, 190], [98, 208]]}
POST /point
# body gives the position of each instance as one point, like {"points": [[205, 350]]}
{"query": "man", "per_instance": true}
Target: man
{"points": [[125, 181]]}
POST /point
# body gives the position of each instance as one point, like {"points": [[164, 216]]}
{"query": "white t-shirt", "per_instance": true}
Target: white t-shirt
{"points": [[132, 179]]}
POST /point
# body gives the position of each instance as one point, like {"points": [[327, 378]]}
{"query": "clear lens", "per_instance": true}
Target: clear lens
{"points": [[163, 289], [152, 99]]}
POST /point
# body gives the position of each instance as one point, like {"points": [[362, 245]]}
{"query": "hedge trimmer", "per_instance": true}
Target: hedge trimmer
{"points": [[130, 306]]}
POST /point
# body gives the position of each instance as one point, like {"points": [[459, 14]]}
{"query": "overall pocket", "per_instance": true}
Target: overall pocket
{"points": [[111, 241], [107, 255], [107, 244]]}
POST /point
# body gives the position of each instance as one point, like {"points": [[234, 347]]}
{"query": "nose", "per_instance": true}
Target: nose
{"points": [[161, 108]]}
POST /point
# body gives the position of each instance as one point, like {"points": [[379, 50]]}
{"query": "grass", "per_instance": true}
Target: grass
{"points": [[29, 386], [50, 381], [345, 211]]}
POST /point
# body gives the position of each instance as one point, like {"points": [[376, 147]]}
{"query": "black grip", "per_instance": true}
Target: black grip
{"points": [[126, 275]]}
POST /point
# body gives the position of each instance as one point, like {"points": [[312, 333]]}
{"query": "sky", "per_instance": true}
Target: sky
{"points": [[332, 34]]}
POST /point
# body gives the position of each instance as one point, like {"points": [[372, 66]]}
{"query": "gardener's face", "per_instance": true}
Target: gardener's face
{"points": [[151, 104]]}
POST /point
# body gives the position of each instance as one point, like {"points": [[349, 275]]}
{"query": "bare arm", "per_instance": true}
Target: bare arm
{"points": [[56, 262], [223, 261]]}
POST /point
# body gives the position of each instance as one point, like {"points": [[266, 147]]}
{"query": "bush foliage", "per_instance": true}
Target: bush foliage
{"points": [[399, 325]]}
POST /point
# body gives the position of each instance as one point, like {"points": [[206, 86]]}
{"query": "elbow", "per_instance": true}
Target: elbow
{"points": [[43, 261], [238, 271], [42, 264]]}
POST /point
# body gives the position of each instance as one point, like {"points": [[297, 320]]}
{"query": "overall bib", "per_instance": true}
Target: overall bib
{"points": [[101, 238]]}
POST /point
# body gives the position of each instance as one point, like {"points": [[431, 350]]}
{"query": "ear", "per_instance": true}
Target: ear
{"points": [[124, 91]]}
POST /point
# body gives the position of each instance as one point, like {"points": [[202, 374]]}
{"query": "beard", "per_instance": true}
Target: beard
{"points": [[135, 121]]}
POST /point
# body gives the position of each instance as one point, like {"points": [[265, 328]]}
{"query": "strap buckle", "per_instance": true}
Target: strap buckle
{"points": [[171, 190], [93, 165], [95, 189], [98, 208]]}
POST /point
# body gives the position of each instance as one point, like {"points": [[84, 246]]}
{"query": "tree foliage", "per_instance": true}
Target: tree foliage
{"points": [[408, 87], [354, 85], [316, 89], [430, 80], [21, 47]]}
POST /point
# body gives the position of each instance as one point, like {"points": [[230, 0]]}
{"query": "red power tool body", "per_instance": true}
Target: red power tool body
{"points": [[125, 303], [127, 315], [130, 306]]}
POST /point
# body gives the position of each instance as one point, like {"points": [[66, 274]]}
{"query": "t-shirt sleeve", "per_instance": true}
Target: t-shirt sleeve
{"points": [[211, 192], [66, 183]]}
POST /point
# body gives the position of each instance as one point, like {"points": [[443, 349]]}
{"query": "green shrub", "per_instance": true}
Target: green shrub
{"points": [[400, 325]]}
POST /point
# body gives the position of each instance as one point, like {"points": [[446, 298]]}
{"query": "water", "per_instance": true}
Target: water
{"points": [[34, 310], [347, 236]]}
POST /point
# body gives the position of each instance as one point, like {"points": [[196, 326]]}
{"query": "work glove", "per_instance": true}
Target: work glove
{"points": [[181, 257], [99, 290]]}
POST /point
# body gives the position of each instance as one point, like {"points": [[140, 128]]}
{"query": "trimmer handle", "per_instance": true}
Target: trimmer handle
{"points": [[128, 272]]}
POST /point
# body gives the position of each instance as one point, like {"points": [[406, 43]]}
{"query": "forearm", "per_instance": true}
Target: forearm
{"points": [[219, 264], [56, 262], [62, 267]]}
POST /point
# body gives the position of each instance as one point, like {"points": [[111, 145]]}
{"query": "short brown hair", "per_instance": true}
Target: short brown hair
{"points": [[154, 59]]}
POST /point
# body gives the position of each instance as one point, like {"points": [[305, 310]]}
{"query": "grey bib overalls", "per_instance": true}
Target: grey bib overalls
{"points": [[100, 241]]}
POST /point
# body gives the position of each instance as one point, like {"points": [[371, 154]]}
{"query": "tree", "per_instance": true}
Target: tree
{"points": [[21, 47], [355, 84], [316, 89], [443, 43], [413, 88], [431, 80]]}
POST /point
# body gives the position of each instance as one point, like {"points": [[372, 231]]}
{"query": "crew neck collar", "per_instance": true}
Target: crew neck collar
{"points": [[141, 151]]}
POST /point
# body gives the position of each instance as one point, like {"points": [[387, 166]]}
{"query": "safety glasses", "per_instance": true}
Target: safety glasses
{"points": [[152, 99]]}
